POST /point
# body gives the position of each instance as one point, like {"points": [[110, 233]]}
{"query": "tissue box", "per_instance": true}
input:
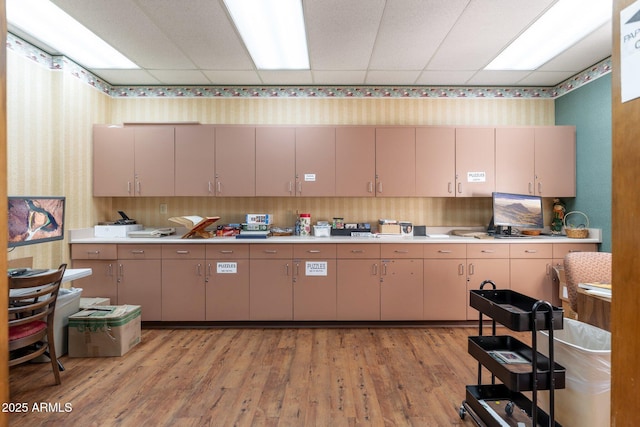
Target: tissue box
{"points": [[104, 331], [115, 230]]}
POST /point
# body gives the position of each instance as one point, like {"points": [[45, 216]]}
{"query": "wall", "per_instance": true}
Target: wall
{"points": [[589, 109]]}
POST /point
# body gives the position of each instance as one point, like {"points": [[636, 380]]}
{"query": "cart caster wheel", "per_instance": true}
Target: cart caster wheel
{"points": [[509, 408], [462, 412]]}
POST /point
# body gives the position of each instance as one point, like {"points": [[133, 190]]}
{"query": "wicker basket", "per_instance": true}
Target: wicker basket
{"points": [[579, 232]]}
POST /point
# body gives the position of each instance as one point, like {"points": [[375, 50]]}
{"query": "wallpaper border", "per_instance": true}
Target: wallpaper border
{"points": [[58, 62]]}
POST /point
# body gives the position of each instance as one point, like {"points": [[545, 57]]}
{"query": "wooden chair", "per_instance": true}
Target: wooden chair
{"points": [[585, 267], [32, 303]]}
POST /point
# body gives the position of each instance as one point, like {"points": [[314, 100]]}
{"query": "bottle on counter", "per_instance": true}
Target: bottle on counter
{"points": [[305, 224]]}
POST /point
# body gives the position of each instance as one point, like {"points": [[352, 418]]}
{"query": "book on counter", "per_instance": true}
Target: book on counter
{"points": [[196, 225], [253, 234]]}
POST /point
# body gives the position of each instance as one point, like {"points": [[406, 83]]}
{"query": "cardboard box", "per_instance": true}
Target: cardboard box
{"points": [[389, 228], [115, 230], [88, 302], [104, 331]]}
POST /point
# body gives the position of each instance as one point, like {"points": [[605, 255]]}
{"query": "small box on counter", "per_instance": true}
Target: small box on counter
{"points": [[259, 219], [389, 228], [115, 230], [104, 331], [255, 227]]}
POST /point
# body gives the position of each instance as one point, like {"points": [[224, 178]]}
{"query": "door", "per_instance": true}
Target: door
{"points": [[315, 161], [355, 161], [401, 289], [275, 161], [555, 161], [475, 162], [154, 161], [435, 161], [183, 289], [101, 283], [139, 283], [395, 162], [358, 289], [314, 289], [113, 161], [235, 161], [227, 296], [515, 166], [195, 160]]}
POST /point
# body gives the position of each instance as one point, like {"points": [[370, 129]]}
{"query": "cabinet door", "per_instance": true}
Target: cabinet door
{"points": [[445, 289], [358, 289], [139, 283], [183, 290], [270, 289], [515, 149], [154, 160], [195, 160], [555, 160], [533, 277], [435, 161], [113, 161], [314, 289], [227, 296], [315, 161], [395, 162], [275, 161], [101, 283], [235, 161], [479, 270], [401, 289], [355, 161], [475, 162]]}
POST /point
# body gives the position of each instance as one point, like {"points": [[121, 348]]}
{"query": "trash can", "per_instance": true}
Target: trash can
{"points": [[585, 352], [68, 303]]}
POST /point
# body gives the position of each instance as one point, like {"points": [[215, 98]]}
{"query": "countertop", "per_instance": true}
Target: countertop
{"points": [[86, 236]]}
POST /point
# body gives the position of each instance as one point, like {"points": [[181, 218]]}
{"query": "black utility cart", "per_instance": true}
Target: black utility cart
{"points": [[519, 367]]}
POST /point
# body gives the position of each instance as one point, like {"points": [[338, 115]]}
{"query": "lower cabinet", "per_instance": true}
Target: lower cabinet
{"points": [[314, 282], [183, 282], [531, 270], [139, 278], [270, 282], [401, 282], [486, 261], [227, 282], [358, 282], [102, 260], [445, 282]]}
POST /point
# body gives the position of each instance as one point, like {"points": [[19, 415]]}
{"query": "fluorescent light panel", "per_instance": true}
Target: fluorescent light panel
{"points": [[273, 32], [564, 24], [46, 22]]}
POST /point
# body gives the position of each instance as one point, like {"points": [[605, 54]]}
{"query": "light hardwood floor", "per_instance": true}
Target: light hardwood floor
{"points": [[259, 377]]}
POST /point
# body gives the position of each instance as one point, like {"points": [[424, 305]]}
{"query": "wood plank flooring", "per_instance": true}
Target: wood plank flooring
{"points": [[259, 377]]}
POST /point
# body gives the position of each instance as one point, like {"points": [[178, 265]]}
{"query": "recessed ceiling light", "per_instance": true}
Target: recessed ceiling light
{"points": [[46, 22], [564, 24], [273, 32]]}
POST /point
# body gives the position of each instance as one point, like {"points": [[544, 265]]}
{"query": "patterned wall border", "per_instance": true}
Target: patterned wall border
{"points": [[64, 64]]}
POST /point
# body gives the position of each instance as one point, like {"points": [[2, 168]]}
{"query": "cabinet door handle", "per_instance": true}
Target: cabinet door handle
{"points": [[357, 251], [449, 187], [401, 251], [270, 251], [138, 252], [444, 251], [314, 251], [299, 187], [487, 251], [128, 187], [120, 270], [209, 187], [370, 187], [110, 270], [460, 269], [208, 270], [138, 187], [548, 269], [530, 251], [539, 188], [182, 252], [290, 187], [471, 270], [228, 251], [198, 269], [460, 187], [93, 252], [380, 187], [286, 269], [384, 268], [219, 187], [530, 188], [374, 269]]}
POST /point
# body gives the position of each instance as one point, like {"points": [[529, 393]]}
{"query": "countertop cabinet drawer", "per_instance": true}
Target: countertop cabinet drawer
{"points": [[183, 251], [561, 249], [390, 250], [358, 251], [230, 251], [93, 251], [314, 251], [140, 251], [487, 250], [531, 250], [445, 250], [270, 251]]}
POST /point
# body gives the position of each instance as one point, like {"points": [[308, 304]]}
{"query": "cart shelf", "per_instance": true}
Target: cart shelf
{"points": [[516, 376], [512, 309]]}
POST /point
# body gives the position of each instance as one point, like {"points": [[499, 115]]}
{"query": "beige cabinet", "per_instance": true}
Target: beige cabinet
{"points": [[270, 281], [486, 261], [227, 283], [355, 161], [235, 161], [475, 162], [314, 282], [358, 281], [395, 161], [195, 160], [445, 282], [435, 161], [133, 161], [139, 278], [315, 161], [183, 282], [536, 160], [531, 270], [275, 161], [401, 282], [102, 260]]}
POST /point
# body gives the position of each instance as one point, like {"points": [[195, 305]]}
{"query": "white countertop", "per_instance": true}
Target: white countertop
{"points": [[86, 236]]}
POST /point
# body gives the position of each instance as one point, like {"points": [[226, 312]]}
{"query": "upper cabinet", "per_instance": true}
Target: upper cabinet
{"points": [[395, 161], [195, 160], [475, 162], [133, 161], [355, 161], [315, 161], [275, 161], [536, 160], [235, 163], [435, 161]]}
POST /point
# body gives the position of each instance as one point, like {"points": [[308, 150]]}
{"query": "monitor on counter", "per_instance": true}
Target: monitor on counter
{"points": [[35, 220], [516, 211]]}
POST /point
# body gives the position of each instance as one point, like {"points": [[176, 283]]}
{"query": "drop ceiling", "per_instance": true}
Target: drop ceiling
{"points": [[351, 42]]}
